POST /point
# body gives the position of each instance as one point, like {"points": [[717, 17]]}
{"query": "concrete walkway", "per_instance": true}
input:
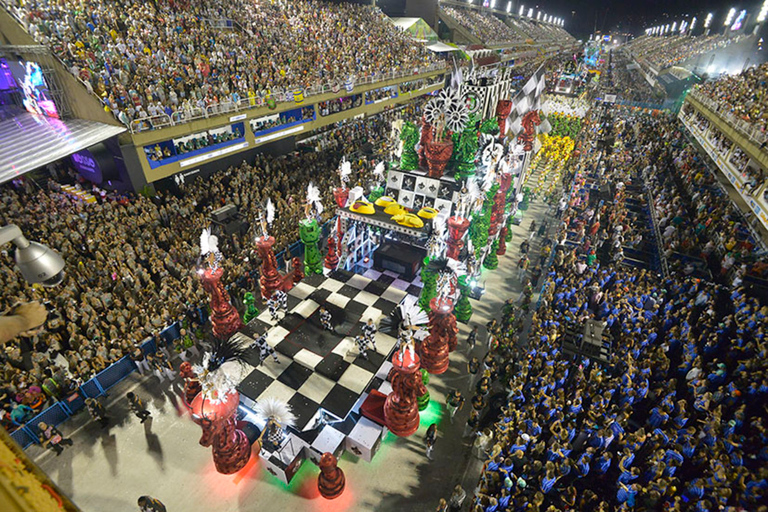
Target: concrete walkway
{"points": [[107, 470]]}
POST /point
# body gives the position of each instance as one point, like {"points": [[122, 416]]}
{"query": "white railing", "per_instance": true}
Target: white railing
{"points": [[280, 95], [746, 128]]}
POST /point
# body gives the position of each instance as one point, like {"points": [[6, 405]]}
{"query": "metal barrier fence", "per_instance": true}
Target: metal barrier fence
{"points": [[97, 386]]}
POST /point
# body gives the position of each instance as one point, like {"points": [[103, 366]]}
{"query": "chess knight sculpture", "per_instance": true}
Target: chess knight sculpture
{"points": [[224, 318], [214, 408]]}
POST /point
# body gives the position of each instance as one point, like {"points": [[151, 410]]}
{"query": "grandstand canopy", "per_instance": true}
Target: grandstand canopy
{"points": [[32, 141], [442, 47], [418, 28]]}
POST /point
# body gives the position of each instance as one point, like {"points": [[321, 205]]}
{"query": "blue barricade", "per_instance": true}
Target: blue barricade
{"points": [[23, 437], [115, 373]]}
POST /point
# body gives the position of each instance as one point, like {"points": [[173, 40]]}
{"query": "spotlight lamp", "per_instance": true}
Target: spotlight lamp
{"points": [[38, 263], [708, 20], [763, 12], [730, 16]]}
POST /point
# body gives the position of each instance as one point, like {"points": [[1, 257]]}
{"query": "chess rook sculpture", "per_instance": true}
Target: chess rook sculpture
{"points": [[401, 409]]}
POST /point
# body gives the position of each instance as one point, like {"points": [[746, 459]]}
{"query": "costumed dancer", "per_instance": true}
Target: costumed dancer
{"points": [[282, 300], [362, 346], [265, 349], [369, 332], [454, 402], [272, 305], [278, 416], [325, 319]]}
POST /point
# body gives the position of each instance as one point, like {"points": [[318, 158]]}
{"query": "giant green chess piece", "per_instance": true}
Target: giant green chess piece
{"points": [[309, 232], [409, 160], [463, 308], [423, 400], [465, 146], [429, 290], [251, 311]]}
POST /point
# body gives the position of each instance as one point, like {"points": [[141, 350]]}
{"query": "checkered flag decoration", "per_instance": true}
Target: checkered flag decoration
{"points": [[527, 99]]}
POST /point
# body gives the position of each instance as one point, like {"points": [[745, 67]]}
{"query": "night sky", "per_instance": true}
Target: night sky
{"points": [[581, 16]]}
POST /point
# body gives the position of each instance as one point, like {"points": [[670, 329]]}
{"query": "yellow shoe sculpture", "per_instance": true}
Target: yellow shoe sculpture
{"points": [[395, 209], [363, 207], [428, 212], [384, 201]]}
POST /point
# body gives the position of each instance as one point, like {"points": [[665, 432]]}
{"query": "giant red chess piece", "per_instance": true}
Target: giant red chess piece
{"points": [[425, 138], [502, 250], [503, 108], [341, 196], [401, 409], [331, 480], [231, 449], [332, 258], [225, 318], [442, 336], [457, 226], [270, 278]]}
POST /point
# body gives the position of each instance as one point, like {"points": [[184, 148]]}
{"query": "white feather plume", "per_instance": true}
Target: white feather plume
{"points": [[411, 311], [275, 409], [313, 198], [489, 179], [208, 242], [270, 212], [475, 194], [378, 171], [438, 226], [346, 168]]}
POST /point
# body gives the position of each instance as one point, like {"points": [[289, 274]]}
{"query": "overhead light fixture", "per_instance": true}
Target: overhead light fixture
{"points": [[509, 6], [522, 10], [674, 26], [693, 23], [538, 16], [530, 13], [730, 16], [763, 12], [708, 20]]}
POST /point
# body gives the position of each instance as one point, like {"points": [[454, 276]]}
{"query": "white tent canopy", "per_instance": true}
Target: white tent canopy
{"points": [[442, 47]]}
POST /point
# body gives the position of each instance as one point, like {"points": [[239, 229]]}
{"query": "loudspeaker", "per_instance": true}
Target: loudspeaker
{"points": [[224, 213]]}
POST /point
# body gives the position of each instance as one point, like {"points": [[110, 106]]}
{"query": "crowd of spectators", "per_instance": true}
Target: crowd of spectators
{"points": [[485, 26], [171, 56], [258, 125], [675, 420], [627, 84], [664, 52], [131, 259], [741, 95]]}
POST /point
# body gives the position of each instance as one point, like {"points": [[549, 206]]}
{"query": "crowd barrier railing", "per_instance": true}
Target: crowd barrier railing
{"points": [[280, 95], [95, 387], [744, 127]]}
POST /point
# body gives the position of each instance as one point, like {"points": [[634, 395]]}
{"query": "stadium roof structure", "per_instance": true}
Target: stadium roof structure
{"points": [[32, 141]]}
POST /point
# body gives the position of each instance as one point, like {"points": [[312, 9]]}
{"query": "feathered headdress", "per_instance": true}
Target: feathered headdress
{"points": [[378, 172], [407, 314], [345, 171], [271, 408], [222, 367], [313, 201], [209, 248], [266, 216]]}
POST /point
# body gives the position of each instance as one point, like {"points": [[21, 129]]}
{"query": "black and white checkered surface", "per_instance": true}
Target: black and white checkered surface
{"points": [[332, 376], [415, 190], [528, 98]]}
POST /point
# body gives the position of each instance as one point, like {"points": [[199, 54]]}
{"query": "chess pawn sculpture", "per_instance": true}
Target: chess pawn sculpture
{"points": [[330, 481]]}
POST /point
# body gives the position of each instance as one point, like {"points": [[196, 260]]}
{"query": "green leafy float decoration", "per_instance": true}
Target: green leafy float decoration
{"points": [[481, 222], [465, 147], [409, 160]]}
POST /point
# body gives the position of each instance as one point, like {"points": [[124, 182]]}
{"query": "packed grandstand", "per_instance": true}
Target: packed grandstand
{"points": [[632, 227]]}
